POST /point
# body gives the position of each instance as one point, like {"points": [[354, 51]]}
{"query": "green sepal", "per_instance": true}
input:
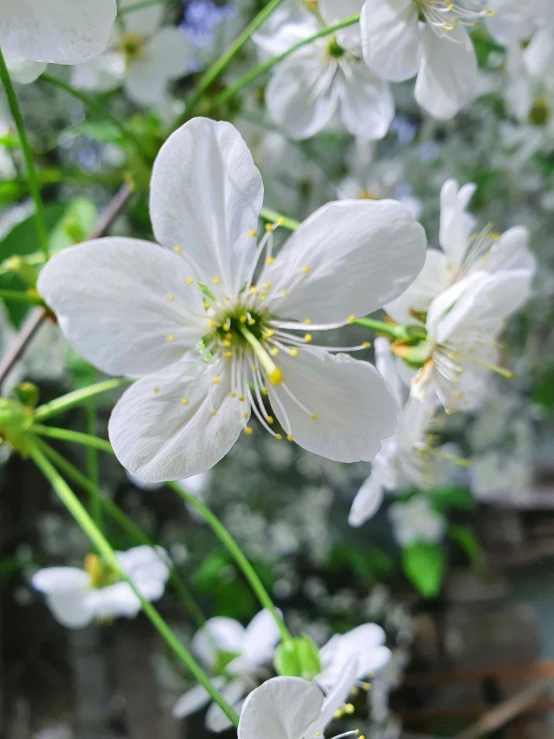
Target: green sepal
{"points": [[298, 657]]}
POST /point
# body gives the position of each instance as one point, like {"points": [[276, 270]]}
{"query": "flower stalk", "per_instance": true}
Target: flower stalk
{"points": [[78, 397]]}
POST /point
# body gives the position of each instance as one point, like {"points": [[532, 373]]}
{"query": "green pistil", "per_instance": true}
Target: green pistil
{"points": [[334, 49]]}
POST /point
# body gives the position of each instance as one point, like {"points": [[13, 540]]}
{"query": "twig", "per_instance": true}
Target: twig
{"points": [[35, 319]]}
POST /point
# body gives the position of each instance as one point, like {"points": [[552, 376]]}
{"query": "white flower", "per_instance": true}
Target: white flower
{"points": [[293, 708], [415, 521], [365, 643], [142, 54], [223, 645], [463, 253], [401, 463], [22, 70], [326, 76], [77, 597], [397, 46], [462, 326], [59, 31], [133, 308], [500, 476]]}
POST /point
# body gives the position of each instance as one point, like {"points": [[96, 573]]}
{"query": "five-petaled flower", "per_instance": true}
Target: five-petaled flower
{"points": [[209, 338]]}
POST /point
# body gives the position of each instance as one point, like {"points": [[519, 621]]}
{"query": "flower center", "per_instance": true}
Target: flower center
{"points": [[132, 46], [334, 49], [101, 574], [539, 113]]}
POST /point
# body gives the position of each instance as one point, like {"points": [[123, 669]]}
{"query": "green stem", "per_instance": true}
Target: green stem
{"points": [[92, 462], [77, 437], [101, 110], [19, 296], [27, 155], [126, 523], [394, 330], [234, 550], [271, 216], [251, 75], [79, 513], [217, 68], [78, 397]]}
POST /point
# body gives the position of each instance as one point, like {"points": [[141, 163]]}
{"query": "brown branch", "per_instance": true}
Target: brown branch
{"points": [[36, 317]]}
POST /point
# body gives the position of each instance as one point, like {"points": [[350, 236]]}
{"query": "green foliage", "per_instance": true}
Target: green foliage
{"points": [[369, 564], [466, 541], [424, 565], [451, 496]]}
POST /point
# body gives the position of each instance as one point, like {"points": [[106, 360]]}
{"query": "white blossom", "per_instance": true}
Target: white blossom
{"points": [[77, 597], [415, 521], [133, 308], [366, 643]]}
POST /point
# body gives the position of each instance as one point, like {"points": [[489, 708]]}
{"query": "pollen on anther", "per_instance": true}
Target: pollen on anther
{"points": [[314, 416], [278, 437], [254, 290], [216, 380], [307, 338], [243, 319], [267, 285], [349, 708], [248, 430], [241, 399], [216, 280], [305, 269], [170, 338], [156, 389], [170, 296], [245, 415], [268, 227], [185, 401], [252, 233], [307, 321], [270, 420], [293, 352], [214, 412], [270, 260], [264, 391], [177, 249], [366, 344], [351, 319], [228, 355], [189, 281], [233, 395], [275, 351], [289, 437]]}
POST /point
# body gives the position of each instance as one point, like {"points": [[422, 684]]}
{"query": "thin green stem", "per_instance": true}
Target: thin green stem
{"points": [[93, 104], [251, 75], [34, 188], [271, 216], [126, 523], [79, 513], [20, 296], [235, 551], [217, 68], [394, 330], [77, 437], [78, 397], [92, 462]]}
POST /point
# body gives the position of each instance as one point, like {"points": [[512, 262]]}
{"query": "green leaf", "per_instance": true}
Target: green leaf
{"points": [[466, 541], [424, 565], [368, 564], [451, 496]]}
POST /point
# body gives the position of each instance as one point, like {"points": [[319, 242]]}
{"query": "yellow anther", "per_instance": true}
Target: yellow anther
{"points": [[264, 391], [228, 355], [305, 269], [283, 293], [289, 437], [268, 227], [278, 437], [189, 281], [307, 321], [216, 380], [254, 290], [170, 296], [338, 713], [280, 221], [251, 321], [366, 344], [349, 708], [356, 731], [354, 692], [268, 334], [211, 323], [185, 401], [314, 416], [241, 399], [270, 260], [248, 430], [276, 377], [270, 420], [245, 415], [242, 319], [216, 280], [274, 351], [351, 319], [267, 285], [293, 352], [170, 338], [206, 304], [365, 686], [214, 412], [252, 232], [177, 249], [255, 367], [307, 338], [226, 342], [156, 389], [233, 395]]}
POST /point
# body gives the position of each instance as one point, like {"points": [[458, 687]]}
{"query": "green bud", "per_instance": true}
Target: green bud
{"points": [[15, 423], [21, 267], [298, 657], [27, 393]]}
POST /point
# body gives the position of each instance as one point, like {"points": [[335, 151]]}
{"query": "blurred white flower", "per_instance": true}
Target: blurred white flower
{"points": [[22, 70], [397, 46], [415, 521], [59, 31], [146, 309], [292, 708], [143, 54], [237, 656], [365, 643], [325, 77], [96, 593]]}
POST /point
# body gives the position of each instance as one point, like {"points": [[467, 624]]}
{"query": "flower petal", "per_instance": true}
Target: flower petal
{"points": [[170, 52], [219, 634], [60, 579], [142, 21], [301, 96], [448, 72], [55, 30], [366, 103], [113, 601], [233, 692], [430, 281], [205, 196], [367, 501], [456, 224], [65, 589], [261, 637], [124, 304], [22, 70], [158, 436], [350, 257], [148, 569], [337, 696], [354, 407], [195, 699], [281, 708], [391, 38]]}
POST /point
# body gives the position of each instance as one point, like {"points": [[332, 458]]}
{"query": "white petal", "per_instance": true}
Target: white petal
{"points": [[367, 501], [157, 437], [65, 589], [56, 30], [511, 251], [219, 634], [170, 52], [430, 281], [195, 699], [456, 225], [354, 407], [512, 22], [24, 71], [60, 579], [216, 720], [301, 96], [448, 72], [145, 85], [261, 637], [360, 254], [337, 696], [205, 196], [148, 568], [391, 38], [104, 73], [113, 601], [281, 708], [539, 55], [118, 300], [365, 643], [333, 11], [366, 103], [144, 21]]}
